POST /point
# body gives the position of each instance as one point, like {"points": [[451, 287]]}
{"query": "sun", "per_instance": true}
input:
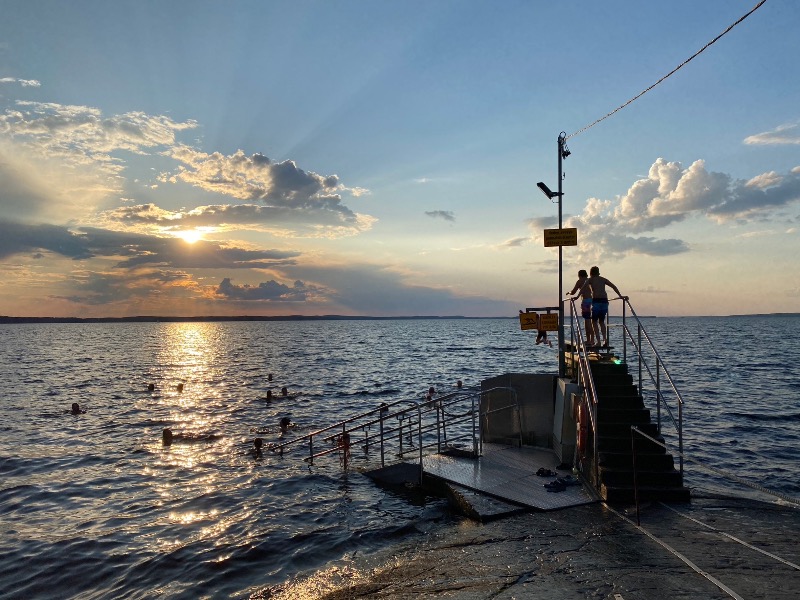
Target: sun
{"points": [[190, 236]]}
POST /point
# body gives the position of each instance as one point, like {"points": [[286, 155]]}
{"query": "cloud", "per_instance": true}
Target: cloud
{"points": [[279, 220], [292, 197], [271, 291], [671, 194], [447, 215], [22, 82], [81, 134], [143, 287], [365, 289], [60, 162], [130, 250], [781, 135], [516, 242]]}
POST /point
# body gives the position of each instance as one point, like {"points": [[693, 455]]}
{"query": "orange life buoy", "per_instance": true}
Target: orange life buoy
{"points": [[583, 429]]}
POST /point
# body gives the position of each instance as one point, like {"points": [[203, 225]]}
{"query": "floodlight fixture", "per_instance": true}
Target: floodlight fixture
{"points": [[547, 191]]}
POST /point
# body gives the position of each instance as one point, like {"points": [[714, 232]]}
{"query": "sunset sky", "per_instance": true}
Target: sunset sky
{"points": [[355, 157]]}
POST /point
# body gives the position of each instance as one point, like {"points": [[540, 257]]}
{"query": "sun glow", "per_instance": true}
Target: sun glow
{"points": [[190, 236]]}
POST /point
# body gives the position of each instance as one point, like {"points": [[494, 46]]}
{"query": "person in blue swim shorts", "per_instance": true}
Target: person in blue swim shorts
{"points": [[582, 286], [600, 304]]}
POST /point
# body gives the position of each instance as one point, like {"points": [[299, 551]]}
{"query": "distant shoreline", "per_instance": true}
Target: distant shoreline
{"points": [[201, 319]]}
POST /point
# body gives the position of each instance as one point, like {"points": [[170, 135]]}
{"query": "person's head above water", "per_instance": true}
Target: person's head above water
{"points": [[166, 436], [76, 408], [258, 443], [285, 423]]}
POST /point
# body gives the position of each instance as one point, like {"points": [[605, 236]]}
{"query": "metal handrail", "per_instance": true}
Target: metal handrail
{"points": [[655, 377], [640, 344], [406, 420], [585, 375]]}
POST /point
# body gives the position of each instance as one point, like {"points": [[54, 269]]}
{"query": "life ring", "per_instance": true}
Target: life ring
{"points": [[583, 429]]}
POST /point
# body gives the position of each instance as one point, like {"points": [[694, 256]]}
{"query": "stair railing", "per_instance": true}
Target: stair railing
{"points": [[650, 363], [651, 369], [584, 374]]}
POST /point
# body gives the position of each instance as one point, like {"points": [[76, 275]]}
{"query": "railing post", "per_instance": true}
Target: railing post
{"points": [[624, 331], [383, 411], [634, 429], [641, 358], [658, 393], [419, 441], [400, 430], [472, 414], [311, 450], [680, 435], [444, 426]]}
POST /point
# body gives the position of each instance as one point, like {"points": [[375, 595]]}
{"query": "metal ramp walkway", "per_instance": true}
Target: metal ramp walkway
{"points": [[508, 474]]}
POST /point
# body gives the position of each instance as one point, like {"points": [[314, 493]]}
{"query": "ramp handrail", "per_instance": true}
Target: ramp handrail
{"points": [[408, 426]]}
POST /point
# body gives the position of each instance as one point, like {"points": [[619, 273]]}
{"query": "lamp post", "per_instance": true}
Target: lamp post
{"points": [[563, 152]]}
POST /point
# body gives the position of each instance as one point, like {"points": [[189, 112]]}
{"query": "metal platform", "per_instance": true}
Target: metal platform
{"points": [[508, 473]]}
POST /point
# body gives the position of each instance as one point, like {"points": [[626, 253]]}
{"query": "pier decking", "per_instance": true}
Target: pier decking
{"points": [[508, 474]]}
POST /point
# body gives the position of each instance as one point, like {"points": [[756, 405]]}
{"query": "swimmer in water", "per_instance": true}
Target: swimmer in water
{"points": [[284, 391], [258, 444], [167, 437], [76, 409], [285, 424]]}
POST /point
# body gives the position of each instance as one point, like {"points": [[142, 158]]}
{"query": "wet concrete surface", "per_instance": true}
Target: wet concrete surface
{"points": [[589, 552]]}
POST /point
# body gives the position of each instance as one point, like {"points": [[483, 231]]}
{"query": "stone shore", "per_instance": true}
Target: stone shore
{"points": [[587, 552]]}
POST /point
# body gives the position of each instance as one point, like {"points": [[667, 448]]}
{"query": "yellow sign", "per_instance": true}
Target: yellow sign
{"points": [[548, 322], [532, 320], [560, 237], [528, 320]]}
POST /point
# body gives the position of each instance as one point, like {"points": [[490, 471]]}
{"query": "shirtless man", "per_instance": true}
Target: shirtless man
{"points": [[600, 303], [585, 290]]}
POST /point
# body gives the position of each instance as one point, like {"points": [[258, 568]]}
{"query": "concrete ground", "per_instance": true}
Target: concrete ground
{"points": [[588, 552]]}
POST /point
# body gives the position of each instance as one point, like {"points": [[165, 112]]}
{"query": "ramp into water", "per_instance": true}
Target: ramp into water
{"points": [[509, 473]]}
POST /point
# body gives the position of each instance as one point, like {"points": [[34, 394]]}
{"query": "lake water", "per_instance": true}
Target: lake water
{"points": [[94, 506]]}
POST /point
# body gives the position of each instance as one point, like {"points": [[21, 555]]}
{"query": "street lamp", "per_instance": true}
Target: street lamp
{"points": [[563, 152], [547, 191]]}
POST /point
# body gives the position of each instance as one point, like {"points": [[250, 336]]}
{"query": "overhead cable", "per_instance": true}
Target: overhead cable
{"points": [[616, 110]]}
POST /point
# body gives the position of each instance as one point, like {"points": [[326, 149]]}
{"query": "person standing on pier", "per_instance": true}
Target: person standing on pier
{"points": [[585, 290], [600, 304]]}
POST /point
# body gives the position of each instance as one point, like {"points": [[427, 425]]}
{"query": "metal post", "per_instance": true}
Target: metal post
{"points": [[561, 359]]}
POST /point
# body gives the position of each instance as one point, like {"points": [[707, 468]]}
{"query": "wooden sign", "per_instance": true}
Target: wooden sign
{"points": [[560, 237]]}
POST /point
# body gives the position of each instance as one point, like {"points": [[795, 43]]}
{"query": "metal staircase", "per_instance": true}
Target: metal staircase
{"points": [[624, 453]]}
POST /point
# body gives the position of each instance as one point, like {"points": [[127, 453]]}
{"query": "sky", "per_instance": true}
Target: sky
{"points": [[309, 157]]}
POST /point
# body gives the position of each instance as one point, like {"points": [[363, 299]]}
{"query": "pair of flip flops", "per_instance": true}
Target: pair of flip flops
{"points": [[561, 484], [542, 472]]}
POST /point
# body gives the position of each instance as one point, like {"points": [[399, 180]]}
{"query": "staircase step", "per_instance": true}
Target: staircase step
{"points": [[617, 391], [612, 429], [622, 444], [645, 460], [612, 379], [614, 476], [627, 495], [635, 416], [621, 401]]}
